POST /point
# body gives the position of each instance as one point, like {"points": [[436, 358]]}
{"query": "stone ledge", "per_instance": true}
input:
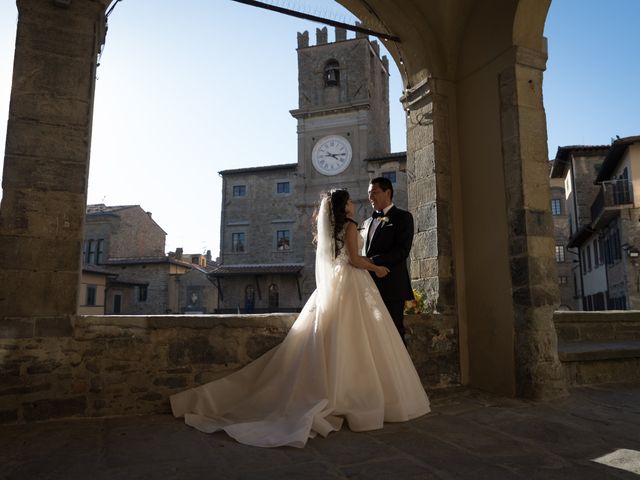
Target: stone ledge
{"points": [[561, 316], [591, 351], [265, 320]]}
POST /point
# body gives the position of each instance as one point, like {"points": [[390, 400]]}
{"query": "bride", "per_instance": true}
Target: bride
{"points": [[343, 358]]}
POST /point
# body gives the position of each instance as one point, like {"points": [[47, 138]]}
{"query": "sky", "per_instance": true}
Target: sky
{"points": [[187, 88]]}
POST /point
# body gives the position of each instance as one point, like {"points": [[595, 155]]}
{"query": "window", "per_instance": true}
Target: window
{"points": [[283, 240], [237, 242], [117, 303], [390, 175], [332, 73], [91, 295], [91, 252], [589, 258], [274, 299], [249, 298], [584, 262], [571, 229], [195, 260], [595, 253], [563, 280], [100, 252], [556, 207], [239, 190], [559, 253], [283, 187], [617, 247], [142, 293]]}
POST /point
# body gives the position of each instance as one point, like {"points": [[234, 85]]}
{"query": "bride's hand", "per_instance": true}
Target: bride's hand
{"points": [[381, 272]]}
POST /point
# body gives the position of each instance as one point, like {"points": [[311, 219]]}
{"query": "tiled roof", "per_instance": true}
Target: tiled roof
{"points": [[155, 260], [388, 156], [562, 156], [102, 208], [255, 269], [284, 166], [96, 269], [613, 157]]}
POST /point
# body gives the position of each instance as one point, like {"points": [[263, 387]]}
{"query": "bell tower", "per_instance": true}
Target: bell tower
{"points": [[343, 119], [343, 111]]}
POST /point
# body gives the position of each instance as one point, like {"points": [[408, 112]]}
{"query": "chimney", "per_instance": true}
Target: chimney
{"points": [[179, 253]]}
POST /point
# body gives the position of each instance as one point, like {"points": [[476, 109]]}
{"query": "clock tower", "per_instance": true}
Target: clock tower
{"points": [[343, 111], [343, 120]]}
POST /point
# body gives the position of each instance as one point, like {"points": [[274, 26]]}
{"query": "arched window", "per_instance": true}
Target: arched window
{"points": [[273, 296], [332, 73]]}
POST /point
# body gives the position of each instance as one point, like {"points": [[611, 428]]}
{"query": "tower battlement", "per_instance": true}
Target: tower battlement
{"points": [[322, 37]]}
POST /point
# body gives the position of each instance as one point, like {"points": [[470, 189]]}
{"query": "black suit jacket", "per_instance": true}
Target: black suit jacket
{"points": [[390, 247]]}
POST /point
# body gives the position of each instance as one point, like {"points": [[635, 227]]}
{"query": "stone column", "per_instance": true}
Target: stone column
{"points": [[429, 191], [47, 156], [535, 291]]}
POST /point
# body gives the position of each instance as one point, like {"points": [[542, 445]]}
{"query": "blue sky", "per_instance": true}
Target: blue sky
{"points": [[188, 88]]}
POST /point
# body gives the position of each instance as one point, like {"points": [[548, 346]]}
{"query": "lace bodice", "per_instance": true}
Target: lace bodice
{"points": [[343, 255]]}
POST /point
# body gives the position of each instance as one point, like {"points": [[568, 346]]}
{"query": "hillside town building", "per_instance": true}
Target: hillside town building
{"points": [[126, 272], [603, 215]]}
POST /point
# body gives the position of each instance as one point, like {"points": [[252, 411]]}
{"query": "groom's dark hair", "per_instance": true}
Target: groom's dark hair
{"points": [[384, 183]]}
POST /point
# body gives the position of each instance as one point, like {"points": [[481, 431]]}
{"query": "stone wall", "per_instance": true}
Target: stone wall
{"points": [[96, 366], [599, 347]]}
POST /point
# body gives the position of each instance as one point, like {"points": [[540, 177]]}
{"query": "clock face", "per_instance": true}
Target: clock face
{"points": [[331, 155]]}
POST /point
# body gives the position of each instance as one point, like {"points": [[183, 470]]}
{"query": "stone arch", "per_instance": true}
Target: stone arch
{"points": [[475, 130]]}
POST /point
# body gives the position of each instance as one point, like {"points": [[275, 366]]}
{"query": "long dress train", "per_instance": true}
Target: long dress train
{"points": [[341, 362]]}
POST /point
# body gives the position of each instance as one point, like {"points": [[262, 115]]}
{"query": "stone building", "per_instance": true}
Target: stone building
{"points": [[127, 246], [604, 240], [567, 268], [577, 166], [610, 244], [266, 246], [93, 289]]}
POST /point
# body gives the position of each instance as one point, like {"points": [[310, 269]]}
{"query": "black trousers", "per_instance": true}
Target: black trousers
{"points": [[396, 310]]}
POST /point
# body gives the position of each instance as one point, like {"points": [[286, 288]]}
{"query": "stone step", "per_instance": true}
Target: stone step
{"points": [[587, 351], [588, 363]]}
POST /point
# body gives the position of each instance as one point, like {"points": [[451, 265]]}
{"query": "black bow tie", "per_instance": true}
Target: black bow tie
{"points": [[377, 214]]}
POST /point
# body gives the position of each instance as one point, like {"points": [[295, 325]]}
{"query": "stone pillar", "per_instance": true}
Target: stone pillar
{"points": [[429, 191], [47, 156], [535, 291]]}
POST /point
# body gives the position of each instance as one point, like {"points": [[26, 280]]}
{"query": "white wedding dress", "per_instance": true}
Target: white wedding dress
{"points": [[343, 359]]}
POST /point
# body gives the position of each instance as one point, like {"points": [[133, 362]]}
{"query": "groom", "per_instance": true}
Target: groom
{"points": [[388, 235]]}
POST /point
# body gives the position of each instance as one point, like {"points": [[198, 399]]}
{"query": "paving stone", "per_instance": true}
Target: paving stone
{"points": [[501, 439]]}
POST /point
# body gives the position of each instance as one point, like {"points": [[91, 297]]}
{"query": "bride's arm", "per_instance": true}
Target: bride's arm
{"points": [[351, 244]]}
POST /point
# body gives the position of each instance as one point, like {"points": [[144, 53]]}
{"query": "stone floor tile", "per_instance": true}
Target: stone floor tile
{"points": [[404, 468]]}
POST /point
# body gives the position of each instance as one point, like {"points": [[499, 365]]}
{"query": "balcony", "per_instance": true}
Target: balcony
{"points": [[614, 196]]}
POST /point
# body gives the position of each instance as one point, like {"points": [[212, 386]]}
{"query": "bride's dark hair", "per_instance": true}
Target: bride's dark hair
{"points": [[338, 198]]}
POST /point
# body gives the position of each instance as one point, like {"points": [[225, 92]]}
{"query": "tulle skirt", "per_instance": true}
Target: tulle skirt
{"points": [[344, 361]]}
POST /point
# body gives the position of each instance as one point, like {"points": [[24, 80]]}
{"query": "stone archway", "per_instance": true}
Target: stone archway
{"points": [[476, 158], [477, 149]]}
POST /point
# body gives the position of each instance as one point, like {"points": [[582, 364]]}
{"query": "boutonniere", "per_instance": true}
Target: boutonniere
{"points": [[383, 220]]}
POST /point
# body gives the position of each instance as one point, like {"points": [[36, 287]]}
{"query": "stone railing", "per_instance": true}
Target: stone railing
{"points": [[599, 347], [122, 365]]}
